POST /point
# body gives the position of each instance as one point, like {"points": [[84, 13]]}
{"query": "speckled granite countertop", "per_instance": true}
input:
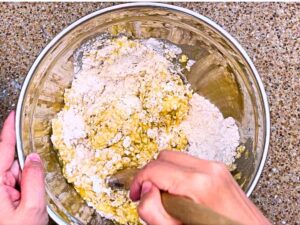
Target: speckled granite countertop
{"points": [[270, 33]]}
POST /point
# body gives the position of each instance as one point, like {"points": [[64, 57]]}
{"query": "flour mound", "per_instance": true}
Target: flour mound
{"points": [[210, 136]]}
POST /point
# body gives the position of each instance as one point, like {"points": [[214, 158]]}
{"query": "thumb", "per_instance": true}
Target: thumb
{"points": [[33, 185], [150, 208]]}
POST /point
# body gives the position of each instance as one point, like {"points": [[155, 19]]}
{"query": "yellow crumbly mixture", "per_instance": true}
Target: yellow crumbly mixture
{"points": [[112, 122]]}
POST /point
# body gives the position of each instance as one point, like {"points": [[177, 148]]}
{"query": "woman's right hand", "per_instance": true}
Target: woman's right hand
{"points": [[22, 194], [205, 182]]}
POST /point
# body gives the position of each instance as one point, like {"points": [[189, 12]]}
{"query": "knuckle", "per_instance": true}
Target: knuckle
{"points": [[9, 180], [219, 169], [3, 179], [197, 185], [163, 154], [178, 182], [199, 180], [150, 166], [145, 172], [147, 166], [194, 176]]}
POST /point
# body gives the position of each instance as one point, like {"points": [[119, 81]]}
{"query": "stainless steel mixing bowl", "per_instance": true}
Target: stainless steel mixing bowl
{"points": [[223, 73]]}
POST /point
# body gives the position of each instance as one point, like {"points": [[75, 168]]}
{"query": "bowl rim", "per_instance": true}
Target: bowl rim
{"points": [[208, 21]]}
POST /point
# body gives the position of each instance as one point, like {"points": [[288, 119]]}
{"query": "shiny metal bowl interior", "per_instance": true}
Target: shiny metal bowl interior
{"points": [[223, 73]]}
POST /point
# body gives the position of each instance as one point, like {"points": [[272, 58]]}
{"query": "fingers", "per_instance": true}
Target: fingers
{"points": [[150, 208], [183, 159], [6, 205], [14, 195], [7, 143], [32, 184], [16, 203], [164, 175], [15, 171], [7, 179]]}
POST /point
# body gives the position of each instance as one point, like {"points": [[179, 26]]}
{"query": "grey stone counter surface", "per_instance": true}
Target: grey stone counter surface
{"points": [[269, 32]]}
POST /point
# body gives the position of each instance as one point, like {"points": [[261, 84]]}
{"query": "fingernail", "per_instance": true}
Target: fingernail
{"points": [[33, 157], [146, 187]]}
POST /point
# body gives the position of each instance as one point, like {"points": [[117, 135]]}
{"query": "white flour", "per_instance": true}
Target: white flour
{"points": [[210, 135]]}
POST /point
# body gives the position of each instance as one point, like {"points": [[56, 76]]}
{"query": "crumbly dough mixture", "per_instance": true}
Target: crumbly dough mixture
{"points": [[127, 102]]}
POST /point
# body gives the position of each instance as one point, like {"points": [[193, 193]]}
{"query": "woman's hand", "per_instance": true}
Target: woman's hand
{"points": [[22, 196], [205, 182]]}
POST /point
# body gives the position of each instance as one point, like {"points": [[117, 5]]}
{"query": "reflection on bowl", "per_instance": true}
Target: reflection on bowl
{"points": [[223, 73]]}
